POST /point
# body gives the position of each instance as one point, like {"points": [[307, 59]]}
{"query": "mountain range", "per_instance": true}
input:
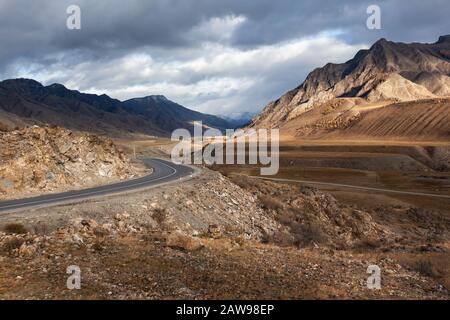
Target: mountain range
{"points": [[378, 93], [239, 119], [25, 101], [391, 90]]}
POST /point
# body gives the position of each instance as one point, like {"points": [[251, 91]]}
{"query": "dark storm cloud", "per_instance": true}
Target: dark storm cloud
{"points": [[39, 26], [177, 41], [412, 20]]}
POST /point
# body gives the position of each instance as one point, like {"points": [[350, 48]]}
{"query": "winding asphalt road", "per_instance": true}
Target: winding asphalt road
{"points": [[163, 172]]}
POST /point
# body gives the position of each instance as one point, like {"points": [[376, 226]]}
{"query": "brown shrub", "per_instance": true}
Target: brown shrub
{"points": [[427, 268], [41, 228], [98, 246], [368, 243], [100, 232], [4, 127], [181, 241], [280, 238], [269, 203], [434, 265], [285, 218], [307, 234], [225, 174], [15, 228], [242, 181], [160, 215], [11, 244]]}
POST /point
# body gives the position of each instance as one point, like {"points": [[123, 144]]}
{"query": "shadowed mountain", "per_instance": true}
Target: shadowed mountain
{"points": [[170, 115], [25, 101], [239, 119]]}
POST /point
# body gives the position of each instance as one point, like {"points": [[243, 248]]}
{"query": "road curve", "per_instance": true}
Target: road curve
{"points": [[163, 172]]}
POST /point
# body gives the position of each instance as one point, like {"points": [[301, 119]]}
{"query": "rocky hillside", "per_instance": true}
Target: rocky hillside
{"points": [[388, 72], [28, 101], [42, 159], [208, 238]]}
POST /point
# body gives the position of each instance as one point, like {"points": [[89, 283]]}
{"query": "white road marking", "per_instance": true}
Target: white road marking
{"points": [[85, 195]]}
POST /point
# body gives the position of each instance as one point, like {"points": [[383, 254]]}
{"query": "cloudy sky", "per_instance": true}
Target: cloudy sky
{"points": [[215, 56]]}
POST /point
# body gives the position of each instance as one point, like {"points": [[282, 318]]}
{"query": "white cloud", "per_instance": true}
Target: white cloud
{"points": [[216, 29], [213, 77]]}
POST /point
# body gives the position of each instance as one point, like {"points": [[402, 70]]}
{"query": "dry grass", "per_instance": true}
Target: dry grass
{"points": [[374, 164], [426, 268], [98, 246], [308, 234], [41, 228], [15, 228], [368, 243], [160, 215], [270, 203], [10, 245], [433, 265]]}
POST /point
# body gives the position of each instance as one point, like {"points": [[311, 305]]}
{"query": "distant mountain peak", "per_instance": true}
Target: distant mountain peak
{"points": [[382, 44], [444, 39], [381, 41], [56, 85], [23, 82], [387, 71], [156, 97], [171, 115], [26, 101], [159, 97]]}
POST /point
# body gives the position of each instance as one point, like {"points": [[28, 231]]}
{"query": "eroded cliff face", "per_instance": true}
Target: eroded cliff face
{"points": [[387, 71], [41, 159]]}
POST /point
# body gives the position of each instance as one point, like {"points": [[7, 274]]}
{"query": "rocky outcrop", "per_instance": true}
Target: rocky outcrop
{"points": [[311, 217], [41, 159], [208, 238], [386, 71]]}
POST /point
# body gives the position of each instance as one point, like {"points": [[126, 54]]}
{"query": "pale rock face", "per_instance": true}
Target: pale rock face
{"points": [[397, 87], [387, 71], [90, 157], [105, 170], [35, 160]]}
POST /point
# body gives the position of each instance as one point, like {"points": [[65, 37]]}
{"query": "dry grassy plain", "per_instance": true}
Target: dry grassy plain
{"points": [[392, 165], [389, 165]]}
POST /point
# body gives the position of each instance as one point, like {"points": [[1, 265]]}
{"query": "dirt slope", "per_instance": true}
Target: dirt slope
{"points": [[421, 120]]}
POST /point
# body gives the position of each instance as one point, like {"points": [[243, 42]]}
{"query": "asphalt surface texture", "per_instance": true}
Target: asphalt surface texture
{"points": [[163, 172]]}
